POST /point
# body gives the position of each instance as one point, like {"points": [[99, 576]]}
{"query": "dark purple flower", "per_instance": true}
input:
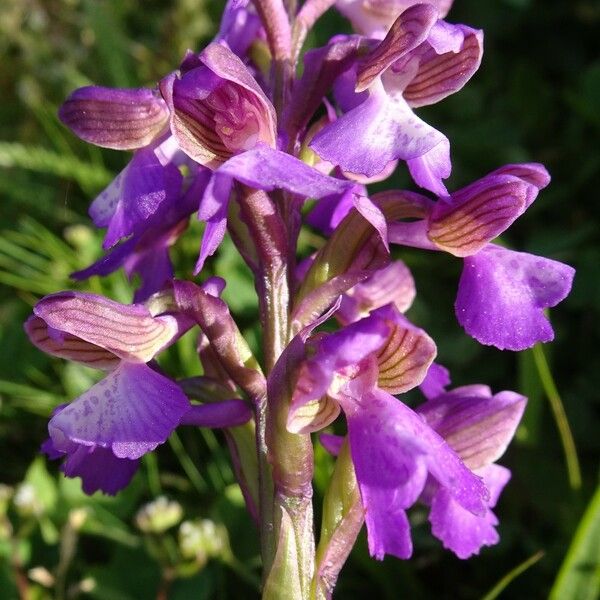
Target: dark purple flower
{"points": [[420, 61], [134, 408], [501, 294]]}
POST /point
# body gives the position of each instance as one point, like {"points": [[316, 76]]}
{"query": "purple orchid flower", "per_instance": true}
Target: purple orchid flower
{"points": [[420, 62], [394, 451], [104, 432], [501, 293], [217, 108], [478, 427]]}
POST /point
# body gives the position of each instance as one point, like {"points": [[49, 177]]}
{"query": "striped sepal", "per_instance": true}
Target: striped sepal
{"points": [[313, 416], [127, 331], [123, 119], [440, 75], [405, 358], [477, 428], [68, 346], [463, 228], [408, 31]]}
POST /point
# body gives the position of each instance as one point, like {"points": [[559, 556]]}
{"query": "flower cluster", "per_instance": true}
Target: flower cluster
{"points": [[236, 138]]}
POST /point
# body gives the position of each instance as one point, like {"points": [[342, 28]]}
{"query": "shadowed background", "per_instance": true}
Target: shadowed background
{"points": [[536, 97]]}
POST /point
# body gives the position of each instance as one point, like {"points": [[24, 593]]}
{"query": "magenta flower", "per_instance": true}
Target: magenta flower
{"points": [[502, 294], [104, 432], [420, 61]]}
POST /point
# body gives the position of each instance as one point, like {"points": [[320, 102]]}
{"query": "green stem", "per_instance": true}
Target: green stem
{"points": [[187, 464], [560, 417]]}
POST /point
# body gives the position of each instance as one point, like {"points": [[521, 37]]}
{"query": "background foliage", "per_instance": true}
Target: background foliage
{"points": [[536, 97]]}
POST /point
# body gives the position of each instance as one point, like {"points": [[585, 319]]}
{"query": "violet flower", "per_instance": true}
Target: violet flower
{"points": [[420, 61], [104, 432], [502, 293], [393, 449]]}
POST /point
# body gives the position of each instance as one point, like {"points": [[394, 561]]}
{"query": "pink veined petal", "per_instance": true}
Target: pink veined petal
{"points": [[130, 412], [502, 295], [123, 119], [408, 31], [477, 427], [450, 57], [66, 345], [127, 331], [471, 220], [393, 283]]}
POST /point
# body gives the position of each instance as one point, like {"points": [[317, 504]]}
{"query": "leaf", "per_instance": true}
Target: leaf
{"points": [[511, 575], [579, 575], [42, 160], [43, 484]]}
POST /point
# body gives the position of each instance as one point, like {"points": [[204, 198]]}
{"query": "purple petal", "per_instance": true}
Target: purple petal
{"points": [[135, 196], [477, 427], [408, 31], [99, 469], [213, 210], [470, 220], [329, 212], [460, 530], [372, 213], [124, 119], [332, 443], [227, 413], [267, 169], [388, 529], [127, 331], [239, 27], [436, 381], [393, 283], [432, 166], [378, 131], [130, 412], [446, 67], [502, 295]]}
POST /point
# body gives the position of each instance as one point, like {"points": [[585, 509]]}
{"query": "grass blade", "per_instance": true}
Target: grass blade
{"points": [[560, 417], [579, 575], [512, 575]]}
